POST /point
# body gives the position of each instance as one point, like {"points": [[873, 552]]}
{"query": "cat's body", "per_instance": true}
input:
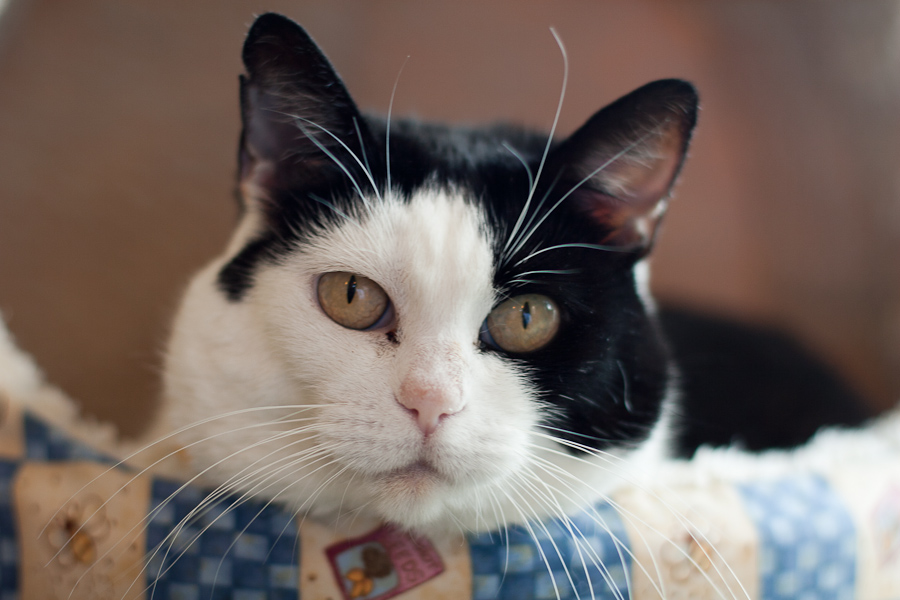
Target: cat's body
{"points": [[502, 361]]}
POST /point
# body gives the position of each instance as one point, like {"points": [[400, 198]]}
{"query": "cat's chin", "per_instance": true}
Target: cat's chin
{"points": [[415, 483], [413, 497]]}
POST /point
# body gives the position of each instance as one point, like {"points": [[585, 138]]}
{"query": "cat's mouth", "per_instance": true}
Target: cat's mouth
{"points": [[420, 468], [418, 473]]}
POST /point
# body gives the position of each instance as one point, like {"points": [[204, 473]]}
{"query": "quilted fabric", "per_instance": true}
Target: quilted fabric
{"points": [[71, 521]]}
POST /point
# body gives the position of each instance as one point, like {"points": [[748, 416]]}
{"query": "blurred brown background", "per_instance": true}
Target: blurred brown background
{"points": [[119, 125]]}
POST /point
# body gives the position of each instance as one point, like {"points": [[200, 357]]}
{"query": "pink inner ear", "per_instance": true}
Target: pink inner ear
{"points": [[638, 184], [645, 179], [257, 178]]}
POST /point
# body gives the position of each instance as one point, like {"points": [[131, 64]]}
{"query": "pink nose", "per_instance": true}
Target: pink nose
{"points": [[430, 402]]}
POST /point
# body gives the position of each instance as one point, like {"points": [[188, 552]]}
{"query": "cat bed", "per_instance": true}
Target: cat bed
{"points": [[820, 522]]}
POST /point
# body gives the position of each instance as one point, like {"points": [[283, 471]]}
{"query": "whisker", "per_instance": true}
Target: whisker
{"points": [[365, 167], [321, 487], [195, 513], [148, 468], [681, 519], [169, 436], [156, 510], [587, 178], [551, 272], [526, 522], [626, 391], [534, 492], [328, 152], [515, 153], [499, 507], [567, 432], [343, 497], [260, 512], [283, 529], [387, 133], [522, 281], [537, 210], [562, 95], [620, 545], [572, 245], [334, 208]]}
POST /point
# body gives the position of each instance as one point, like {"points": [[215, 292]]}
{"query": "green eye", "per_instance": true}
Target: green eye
{"points": [[354, 301], [522, 324]]}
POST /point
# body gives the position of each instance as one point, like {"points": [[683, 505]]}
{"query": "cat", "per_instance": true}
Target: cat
{"points": [[417, 322]]}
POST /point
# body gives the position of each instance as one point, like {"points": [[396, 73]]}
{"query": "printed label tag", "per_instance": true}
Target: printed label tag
{"points": [[383, 564]]}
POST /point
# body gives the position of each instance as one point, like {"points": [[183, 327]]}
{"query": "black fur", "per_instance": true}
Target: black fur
{"points": [[751, 386]]}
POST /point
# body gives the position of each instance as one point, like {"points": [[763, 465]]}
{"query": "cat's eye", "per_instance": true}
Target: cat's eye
{"points": [[351, 300], [522, 324]]}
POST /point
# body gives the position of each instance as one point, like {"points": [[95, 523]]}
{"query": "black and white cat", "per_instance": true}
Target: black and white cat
{"points": [[417, 322]]}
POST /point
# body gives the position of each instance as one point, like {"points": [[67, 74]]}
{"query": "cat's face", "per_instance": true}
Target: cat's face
{"points": [[443, 328]]}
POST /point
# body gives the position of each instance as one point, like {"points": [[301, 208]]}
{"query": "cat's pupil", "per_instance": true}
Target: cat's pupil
{"points": [[526, 315], [351, 289]]}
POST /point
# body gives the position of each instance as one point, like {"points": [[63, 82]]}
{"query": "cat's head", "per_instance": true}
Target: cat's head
{"points": [[427, 324]]}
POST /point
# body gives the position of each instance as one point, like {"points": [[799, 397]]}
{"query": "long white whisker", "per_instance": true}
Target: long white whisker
{"points": [[387, 133], [495, 502], [562, 95], [196, 512], [312, 498], [550, 272], [365, 167], [515, 153], [581, 435], [621, 546], [543, 498], [682, 519], [262, 509], [156, 510], [534, 214], [168, 436], [148, 468], [587, 178], [243, 476], [526, 522], [334, 208], [322, 486], [334, 158], [573, 245]]}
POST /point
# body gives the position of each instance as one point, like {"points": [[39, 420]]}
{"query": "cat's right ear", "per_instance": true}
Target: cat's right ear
{"points": [[300, 126], [621, 165]]}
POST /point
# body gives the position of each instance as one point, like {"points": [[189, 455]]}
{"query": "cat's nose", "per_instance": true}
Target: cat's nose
{"points": [[430, 402]]}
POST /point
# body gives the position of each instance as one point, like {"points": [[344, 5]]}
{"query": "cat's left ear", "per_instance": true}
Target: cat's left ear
{"points": [[300, 124], [623, 162]]}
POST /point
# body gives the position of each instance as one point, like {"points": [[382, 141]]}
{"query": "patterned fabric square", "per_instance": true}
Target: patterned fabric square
{"points": [[570, 557], [80, 530], [228, 550], [807, 539], [45, 443]]}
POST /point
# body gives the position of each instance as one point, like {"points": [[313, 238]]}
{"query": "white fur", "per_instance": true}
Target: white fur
{"points": [[364, 452]]}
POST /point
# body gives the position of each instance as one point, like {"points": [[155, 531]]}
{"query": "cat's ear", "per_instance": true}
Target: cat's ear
{"points": [[623, 162], [300, 124]]}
